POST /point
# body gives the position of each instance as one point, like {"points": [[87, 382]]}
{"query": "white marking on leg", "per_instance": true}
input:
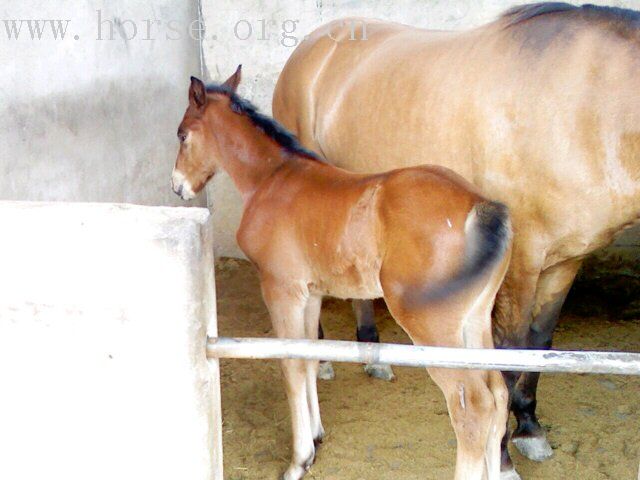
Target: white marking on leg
{"points": [[325, 371], [534, 448], [461, 394], [493, 449], [303, 448], [311, 324], [312, 398], [383, 372], [510, 475], [449, 223]]}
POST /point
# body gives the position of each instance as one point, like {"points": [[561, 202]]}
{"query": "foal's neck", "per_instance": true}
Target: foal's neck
{"points": [[249, 156]]}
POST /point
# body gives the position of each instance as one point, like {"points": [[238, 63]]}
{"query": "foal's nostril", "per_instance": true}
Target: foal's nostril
{"points": [[179, 190]]}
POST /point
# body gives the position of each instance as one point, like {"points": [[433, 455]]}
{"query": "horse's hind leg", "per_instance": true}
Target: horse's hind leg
{"points": [[475, 419], [553, 287], [476, 400], [498, 428], [368, 332], [325, 369]]}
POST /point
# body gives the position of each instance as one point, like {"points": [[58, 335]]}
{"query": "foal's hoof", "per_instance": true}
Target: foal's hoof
{"points": [[534, 448], [325, 371], [383, 372], [510, 475], [296, 472]]}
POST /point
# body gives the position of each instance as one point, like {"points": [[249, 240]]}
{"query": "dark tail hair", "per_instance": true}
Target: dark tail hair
{"points": [[488, 236]]}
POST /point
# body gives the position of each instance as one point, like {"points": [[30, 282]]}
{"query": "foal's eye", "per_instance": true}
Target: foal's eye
{"points": [[182, 137]]}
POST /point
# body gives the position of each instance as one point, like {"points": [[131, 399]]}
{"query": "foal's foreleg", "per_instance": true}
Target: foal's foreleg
{"points": [[311, 325], [287, 309], [368, 332]]}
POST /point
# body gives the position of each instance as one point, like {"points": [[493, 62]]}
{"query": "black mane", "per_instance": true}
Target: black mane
{"points": [[522, 13], [268, 125]]}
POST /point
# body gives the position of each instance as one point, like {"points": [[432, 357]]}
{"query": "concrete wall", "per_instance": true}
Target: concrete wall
{"points": [[251, 32], [90, 119], [103, 313]]}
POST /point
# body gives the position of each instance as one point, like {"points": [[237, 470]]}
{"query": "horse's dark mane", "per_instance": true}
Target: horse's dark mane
{"points": [[268, 125], [623, 17]]}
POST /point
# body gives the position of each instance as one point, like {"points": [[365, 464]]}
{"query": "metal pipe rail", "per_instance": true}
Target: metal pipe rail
{"points": [[618, 363]]}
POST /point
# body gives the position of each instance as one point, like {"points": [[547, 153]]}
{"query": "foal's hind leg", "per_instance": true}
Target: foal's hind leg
{"points": [[367, 332], [498, 428], [476, 420], [476, 400]]}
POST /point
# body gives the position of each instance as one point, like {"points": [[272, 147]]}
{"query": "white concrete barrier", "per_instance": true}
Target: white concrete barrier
{"points": [[103, 317]]}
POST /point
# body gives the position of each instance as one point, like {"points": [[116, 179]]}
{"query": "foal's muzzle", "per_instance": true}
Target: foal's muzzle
{"points": [[181, 186]]}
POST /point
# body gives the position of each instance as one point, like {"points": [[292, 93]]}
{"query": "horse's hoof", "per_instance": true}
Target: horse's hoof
{"points": [[325, 371], [383, 372], [510, 475], [534, 448], [294, 473]]}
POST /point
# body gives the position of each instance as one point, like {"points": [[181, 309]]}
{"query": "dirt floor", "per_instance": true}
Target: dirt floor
{"points": [[401, 430]]}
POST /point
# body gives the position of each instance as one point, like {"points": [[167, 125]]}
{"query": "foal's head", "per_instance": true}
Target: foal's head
{"points": [[199, 155]]}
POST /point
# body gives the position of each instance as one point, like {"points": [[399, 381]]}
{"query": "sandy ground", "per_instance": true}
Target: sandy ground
{"points": [[401, 430]]}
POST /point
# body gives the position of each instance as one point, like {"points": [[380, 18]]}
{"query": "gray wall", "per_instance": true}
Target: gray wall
{"points": [[94, 120], [229, 41]]}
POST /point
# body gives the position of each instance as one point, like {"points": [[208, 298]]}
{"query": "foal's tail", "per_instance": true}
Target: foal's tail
{"points": [[488, 237]]}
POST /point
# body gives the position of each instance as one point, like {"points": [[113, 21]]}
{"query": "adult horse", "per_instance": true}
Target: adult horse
{"points": [[540, 109]]}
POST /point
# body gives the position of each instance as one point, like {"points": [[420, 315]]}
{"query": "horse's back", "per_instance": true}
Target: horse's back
{"points": [[340, 90], [508, 106], [325, 55]]}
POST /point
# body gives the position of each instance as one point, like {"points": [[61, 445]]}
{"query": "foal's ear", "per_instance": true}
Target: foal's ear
{"points": [[234, 80], [197, 93]]}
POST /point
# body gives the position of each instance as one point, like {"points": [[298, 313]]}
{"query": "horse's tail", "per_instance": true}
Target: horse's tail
{"points": [[488, 238]]}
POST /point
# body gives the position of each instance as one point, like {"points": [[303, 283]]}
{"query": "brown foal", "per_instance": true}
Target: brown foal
{"points": [[422, 238]]}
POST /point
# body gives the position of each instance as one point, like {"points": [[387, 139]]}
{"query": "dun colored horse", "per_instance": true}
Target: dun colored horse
{"points": [[421, 237], [539, 109]]}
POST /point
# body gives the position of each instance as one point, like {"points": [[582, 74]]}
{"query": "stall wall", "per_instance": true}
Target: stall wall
{"points": [[91, 94], [103, 318]]}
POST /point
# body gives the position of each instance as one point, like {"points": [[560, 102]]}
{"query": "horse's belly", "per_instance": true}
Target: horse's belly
{"points": [[351, 282]]}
